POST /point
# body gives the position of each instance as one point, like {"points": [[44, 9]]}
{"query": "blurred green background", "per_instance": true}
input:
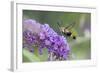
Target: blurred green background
{"points": [[80, 48]]}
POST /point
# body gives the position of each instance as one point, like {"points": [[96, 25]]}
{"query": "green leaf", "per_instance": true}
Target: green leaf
{"points": [[29, 57]]}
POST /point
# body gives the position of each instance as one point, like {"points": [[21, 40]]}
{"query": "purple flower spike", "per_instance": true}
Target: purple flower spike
{"points": [[43, 36]]}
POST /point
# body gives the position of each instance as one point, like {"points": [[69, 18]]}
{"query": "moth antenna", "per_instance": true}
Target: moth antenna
{"points": [[59, 28], [70, 26]]}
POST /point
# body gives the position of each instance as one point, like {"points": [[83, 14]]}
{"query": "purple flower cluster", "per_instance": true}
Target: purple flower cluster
{"points": [[47, 38]]}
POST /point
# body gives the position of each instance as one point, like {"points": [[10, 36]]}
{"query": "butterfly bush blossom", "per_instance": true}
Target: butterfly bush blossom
{"points": [[44, 37]]}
